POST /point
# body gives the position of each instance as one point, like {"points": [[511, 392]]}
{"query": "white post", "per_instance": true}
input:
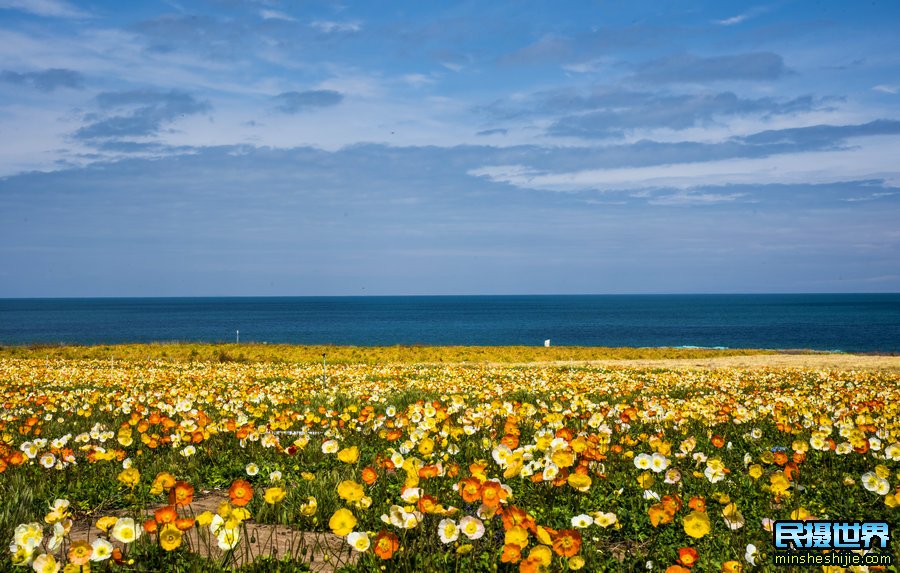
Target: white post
{"points": [[237, 336]]}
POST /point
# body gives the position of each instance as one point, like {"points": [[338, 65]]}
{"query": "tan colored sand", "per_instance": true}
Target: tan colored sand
{"points": [[815, 361]]}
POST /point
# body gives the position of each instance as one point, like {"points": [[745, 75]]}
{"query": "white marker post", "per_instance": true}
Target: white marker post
{"points": [[547, 343], [237, 336]]}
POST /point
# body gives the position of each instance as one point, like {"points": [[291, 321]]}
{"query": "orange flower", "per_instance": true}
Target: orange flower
{"points": [[184, 523], [513, 516], [510, 440], [386, 544], [780, 458], [512, 553], [429, 504], [492, 494], [150, 525], [369, 475], [182, 494], [165, 514], [470, 489], [718, 441], [240, 492], [659, 515], [697, 503], [671, 503], [791, 470], [732, 567], [567, 542], [677, 569], [687, 556], [429, 472]]}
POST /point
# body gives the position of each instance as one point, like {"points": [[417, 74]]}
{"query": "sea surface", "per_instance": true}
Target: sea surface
{"points": [[847, 322]]}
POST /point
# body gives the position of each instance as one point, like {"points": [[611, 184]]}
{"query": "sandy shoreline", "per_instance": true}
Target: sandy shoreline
{"points": [[827, 361]]}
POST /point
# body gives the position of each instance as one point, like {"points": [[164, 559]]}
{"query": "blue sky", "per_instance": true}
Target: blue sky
{"points": [[278, 147]]}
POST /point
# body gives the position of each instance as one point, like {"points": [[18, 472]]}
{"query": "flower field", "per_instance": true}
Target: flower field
{"points": [[151, 465]]}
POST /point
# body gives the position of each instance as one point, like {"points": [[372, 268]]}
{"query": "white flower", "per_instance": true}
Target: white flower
{"points": [[252, 469], [472, 527], [102, 549], [125, 530], [658, 462], [275, 476], [448, 531], [359, 541], [642, 461], [751, 554], [48, 460], [28, 535], [650, 494], [605, 519], [582, 521], [673, 476], [227, 538], [330, 446], [188, 451]]}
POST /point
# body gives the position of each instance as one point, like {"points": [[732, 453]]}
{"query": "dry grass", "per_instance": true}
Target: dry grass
{"points": [[361, 355]]}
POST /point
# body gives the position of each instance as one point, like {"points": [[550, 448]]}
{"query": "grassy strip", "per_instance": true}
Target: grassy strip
{"points": [[183, 352]]}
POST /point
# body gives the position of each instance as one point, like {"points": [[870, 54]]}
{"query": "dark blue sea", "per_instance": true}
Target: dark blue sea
{"points": [[847, 322]]}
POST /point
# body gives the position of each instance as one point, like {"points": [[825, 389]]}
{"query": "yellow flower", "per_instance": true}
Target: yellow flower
{"points": [[581, 482], [563, 457], [576, 563], [463, 549], [308, 476], [645, 480], [205, 518], [426, 446], [755, 471], [170, 537], [45, 563], [342, 522], [273, 495], [309, 508], [350, 491], [516, 535], [696, 524], [130, 477], [105, 522], [542, 553], [349, 455]]}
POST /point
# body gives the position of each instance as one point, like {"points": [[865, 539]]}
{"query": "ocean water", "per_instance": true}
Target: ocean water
{"points": [[848, 322]]}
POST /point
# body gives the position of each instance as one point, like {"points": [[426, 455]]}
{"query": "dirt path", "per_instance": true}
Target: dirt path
{"points": [[324, 552], [828, 361]]}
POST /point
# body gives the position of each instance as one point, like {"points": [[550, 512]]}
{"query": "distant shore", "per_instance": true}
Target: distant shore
{"points": [[507, 355]]}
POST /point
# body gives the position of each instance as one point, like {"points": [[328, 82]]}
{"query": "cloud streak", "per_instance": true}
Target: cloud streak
{"points": [[45, 80], [296, 102]]}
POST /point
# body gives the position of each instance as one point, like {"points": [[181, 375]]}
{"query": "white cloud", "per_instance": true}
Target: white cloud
{"points": [[330, 27], [50, 8], [887, 89], [743, 17], [873, 159], [275, 15]]}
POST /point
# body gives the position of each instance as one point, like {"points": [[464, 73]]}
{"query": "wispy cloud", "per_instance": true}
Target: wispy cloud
{"points": [[893, 90], [137, 113], [332, 27], [47, 8], [742, 17], [691, 68], [45, 80], [267, 14], [871, 161], [295, 102]]}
